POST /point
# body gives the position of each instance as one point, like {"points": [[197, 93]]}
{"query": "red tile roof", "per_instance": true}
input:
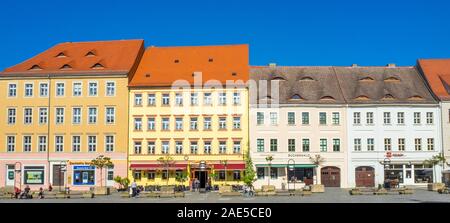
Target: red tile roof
{"points": [[437, 73], [99, 57], [161, 66]]}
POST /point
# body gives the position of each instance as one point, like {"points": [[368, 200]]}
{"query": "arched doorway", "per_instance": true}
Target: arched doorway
{"points": [[331, 176], [365, 176]]}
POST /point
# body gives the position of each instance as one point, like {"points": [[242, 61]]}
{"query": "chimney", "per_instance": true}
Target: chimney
{"points": [[272, 65], [391, 65], [354, 65]]}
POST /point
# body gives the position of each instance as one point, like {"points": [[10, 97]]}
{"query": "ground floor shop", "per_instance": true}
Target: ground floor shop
{"points": [[204, 173]]}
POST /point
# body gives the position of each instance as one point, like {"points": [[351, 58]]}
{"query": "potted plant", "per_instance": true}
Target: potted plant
{"points": [[102, 162], [435, 161], [317, 160], [249, 172], [123, 183]]}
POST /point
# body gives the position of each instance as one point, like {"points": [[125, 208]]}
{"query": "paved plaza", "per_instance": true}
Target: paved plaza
{"points": [[332, 195]]}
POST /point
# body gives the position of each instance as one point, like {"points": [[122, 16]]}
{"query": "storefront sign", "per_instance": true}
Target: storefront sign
{"points": [[84, 175], [298, 155], [394, 154], [79, 163], [84, 168]]}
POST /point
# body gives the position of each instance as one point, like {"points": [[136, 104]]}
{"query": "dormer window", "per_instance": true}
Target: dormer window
{"points": [[278, 79], [35, 67], [366, 79], [296, 97], [415, 97], [233, 74], [327, 98], [210, 60], [306, 78], [388, 97], [176, 61], [90, 54], [391, 79], [147, 75], [362, 98], [61, 55], [65, 67], [97, 66]]}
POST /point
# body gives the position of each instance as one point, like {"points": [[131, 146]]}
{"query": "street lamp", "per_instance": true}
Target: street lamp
{"points": [[291, 167], [225, 163], [386, 162]]}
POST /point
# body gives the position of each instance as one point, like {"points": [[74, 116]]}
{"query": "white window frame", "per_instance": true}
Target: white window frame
{"points": [[57, 89], [59, 145], [77, 116], [91, 117], [92, 144], [41, 89], [42, 147], [27, 144], [77, 91], [27, 116], [25, 90], [43, 119], [8, 91], [110, 116], [10, 144], [76, 146], [110, 145], [11, 118], [107, 89], [90, 87], [59, 119]]}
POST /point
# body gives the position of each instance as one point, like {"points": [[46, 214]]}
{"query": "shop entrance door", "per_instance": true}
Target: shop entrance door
{"points": [[58, 175], [202, 176], [331, 176], [10, 175], [409, 178], [365, 176]]}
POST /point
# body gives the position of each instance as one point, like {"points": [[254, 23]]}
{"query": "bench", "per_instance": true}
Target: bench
{"points": [[267, 190]]}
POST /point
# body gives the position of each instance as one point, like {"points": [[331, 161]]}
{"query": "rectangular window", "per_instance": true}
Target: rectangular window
{"points": [[335, 118], [59, 143], [387, 118], [207, 123], [400, 118], [92, 115], [222, 98], [137, 174], [207, 147], [369, 118], [76, 89], [137, 124], [236, 98], [387, 144], [33, 175], [207, 99], [417, 118], [12, 90], [150, 124], [179, 147], [110, 115], [138, 99], [28, 116], [305, 145], [11, 143], [165, 124], [222, 147], [109, 143], [260, 173], [273, 173], [259, 118], [291, 118], [194, 99], [76, 115], [137, 147], [237, 175], [28, 90], [27, 143], [43, 89], [323, 145], [92, 143], [59, 115], [322, 118], [179, 99], [274, 118], [430, 144], [260, 145], [222, 123], [291, 145], [401, 144], [357, 144], [193, 123], [237, 147], [236, 122], [92, 88], [151, 99], [356, 118], [165, 147], [179, 124], [76, 143], [59, 89], [151, 175], [42, 143], [194, 148], [11, 116], [370, 144], [110, 88], [430, 118], [165, 99], [43, 114], [273, 145], [151, 148], [336, 145], [305, 118], [418, 144]]}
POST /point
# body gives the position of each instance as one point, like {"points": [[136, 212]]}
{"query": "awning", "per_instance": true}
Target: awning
{"points": [[152, 166], [285, 165], [231, 166]]}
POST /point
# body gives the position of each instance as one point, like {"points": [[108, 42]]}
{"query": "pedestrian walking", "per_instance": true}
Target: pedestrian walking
{"points": [[134, 189]]}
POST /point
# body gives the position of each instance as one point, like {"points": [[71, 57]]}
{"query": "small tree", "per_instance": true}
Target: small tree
{"points": [[249, 172], [317, 160], [102, 162], [182, 177], [269, 159], [434, 161], [166, 162]]}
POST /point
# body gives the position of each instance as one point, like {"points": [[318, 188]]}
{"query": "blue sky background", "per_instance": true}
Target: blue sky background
{"points": [[293, 32]]}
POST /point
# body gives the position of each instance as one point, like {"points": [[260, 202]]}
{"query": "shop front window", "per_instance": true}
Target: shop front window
{"points": [[34, 175], [237, 175], [221, 175], [273, 173], [394, 172], [151, 175], [423, 174], [300, 174], [137, 175], [260, 173], [84, 175], [165, 174]]}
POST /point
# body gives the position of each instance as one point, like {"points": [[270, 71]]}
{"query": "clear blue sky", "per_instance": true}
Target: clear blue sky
{"points": [[312, 32]]}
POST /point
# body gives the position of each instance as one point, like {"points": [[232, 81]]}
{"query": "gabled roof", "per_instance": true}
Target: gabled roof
{"points": [[161, 66], [383, 85], [298, 85], [118, 57], [437, 73]]}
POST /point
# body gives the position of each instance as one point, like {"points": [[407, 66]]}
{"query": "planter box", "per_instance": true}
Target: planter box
{"points": [[306, 193], [225, 189], [268, 188], [435, 186], [355, 192], [179, 194], [88, 195], [380, 192], [101, 190], [317, 188]]}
